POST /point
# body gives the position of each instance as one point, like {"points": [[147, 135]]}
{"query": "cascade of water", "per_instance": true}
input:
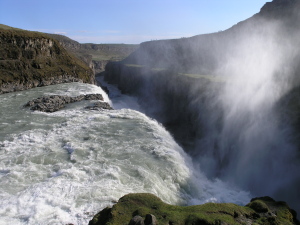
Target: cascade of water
{"points": [[248, 145], [63, 167]]}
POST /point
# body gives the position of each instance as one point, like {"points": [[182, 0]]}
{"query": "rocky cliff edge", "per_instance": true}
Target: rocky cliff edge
{"points": [[32, 59]]}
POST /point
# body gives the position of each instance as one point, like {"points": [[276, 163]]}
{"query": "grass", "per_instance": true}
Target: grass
{"points": [[207, 214], [5, 27], [106, 52], [134, 65], [211, 78], [34, 63], [143, 204]]}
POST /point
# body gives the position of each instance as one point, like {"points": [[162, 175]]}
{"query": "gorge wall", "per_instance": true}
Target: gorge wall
{"points": [[166, 96], [32, 59], [96, 55], [229, 98]]}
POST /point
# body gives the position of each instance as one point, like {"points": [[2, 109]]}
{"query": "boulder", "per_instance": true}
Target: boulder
{"points": [[150, 220], [137, 220]]}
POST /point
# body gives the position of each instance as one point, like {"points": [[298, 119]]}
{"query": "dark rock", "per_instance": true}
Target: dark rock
{"points": [[137, 220], [54, 103], [150, 220], [259, 206], [93, 97], [99, 105]]}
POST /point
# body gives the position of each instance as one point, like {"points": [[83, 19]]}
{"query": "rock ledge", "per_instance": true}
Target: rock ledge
{"points": [[54, 103]]}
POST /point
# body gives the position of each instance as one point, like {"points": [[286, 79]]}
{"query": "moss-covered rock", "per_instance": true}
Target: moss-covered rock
{"points": [[259, 206], [132, 205]]}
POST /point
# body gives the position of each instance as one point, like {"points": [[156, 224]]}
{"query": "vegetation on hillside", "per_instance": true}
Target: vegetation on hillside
{"points": [[264, 211], [27, 56]]}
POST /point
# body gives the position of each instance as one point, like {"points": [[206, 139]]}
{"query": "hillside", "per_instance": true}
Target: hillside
{"points": [[30, 59], [137, 208], [96, 55]]}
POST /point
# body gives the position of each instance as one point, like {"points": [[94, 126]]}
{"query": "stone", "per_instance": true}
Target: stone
{"points": [[150, 220], [93, 97], [99, 106], [137, 220], [54, 103]]}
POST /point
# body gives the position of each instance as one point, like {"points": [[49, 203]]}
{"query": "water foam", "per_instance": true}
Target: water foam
{"points": [[64, 167]]}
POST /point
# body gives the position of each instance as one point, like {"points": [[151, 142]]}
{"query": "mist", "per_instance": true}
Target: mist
{"points": [[229, 98], [247, 143]]}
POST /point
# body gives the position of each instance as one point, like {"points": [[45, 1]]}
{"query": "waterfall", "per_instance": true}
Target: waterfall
{"points": [[246, 143]]}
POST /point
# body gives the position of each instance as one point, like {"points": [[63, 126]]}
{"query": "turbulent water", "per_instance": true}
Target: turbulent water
{"points": [[63, 167]]}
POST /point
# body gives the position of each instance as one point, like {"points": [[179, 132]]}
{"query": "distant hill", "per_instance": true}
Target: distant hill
{"points": [[204, 54], [96, 55]]}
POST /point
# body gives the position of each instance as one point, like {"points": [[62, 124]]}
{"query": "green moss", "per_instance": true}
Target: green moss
{"points": [[207, 214], [108, 52], [5, 27], [143, 204], [134, 65], [259, 206], [207, 77]]}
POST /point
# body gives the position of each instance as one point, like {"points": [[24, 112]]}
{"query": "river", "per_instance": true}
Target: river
{"points": [[64, 167]]}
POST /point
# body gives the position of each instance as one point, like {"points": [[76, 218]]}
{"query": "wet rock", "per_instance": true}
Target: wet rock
{"points": [[99, 106], [93, 97], [54, 103]]}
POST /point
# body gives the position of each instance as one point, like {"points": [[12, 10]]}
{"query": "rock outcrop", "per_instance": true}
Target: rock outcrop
{"points": [[31, 59], [148, 209], [54, 103]]}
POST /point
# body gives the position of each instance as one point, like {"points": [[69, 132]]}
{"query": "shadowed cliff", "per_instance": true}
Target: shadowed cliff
{"points": [[230, 98], [204, 54]]}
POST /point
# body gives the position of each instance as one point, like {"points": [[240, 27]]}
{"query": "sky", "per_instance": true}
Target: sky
{"points": [[126, 21]]}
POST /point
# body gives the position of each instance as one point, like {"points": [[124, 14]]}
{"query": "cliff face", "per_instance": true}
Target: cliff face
{"points": [[101, 54], [154, 68], [95, 55], [206, 53], [31, 59], [178, 101], [185, 84]]}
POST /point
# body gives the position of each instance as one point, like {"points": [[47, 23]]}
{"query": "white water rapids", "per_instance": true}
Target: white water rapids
{"points": [[64, 167]]}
